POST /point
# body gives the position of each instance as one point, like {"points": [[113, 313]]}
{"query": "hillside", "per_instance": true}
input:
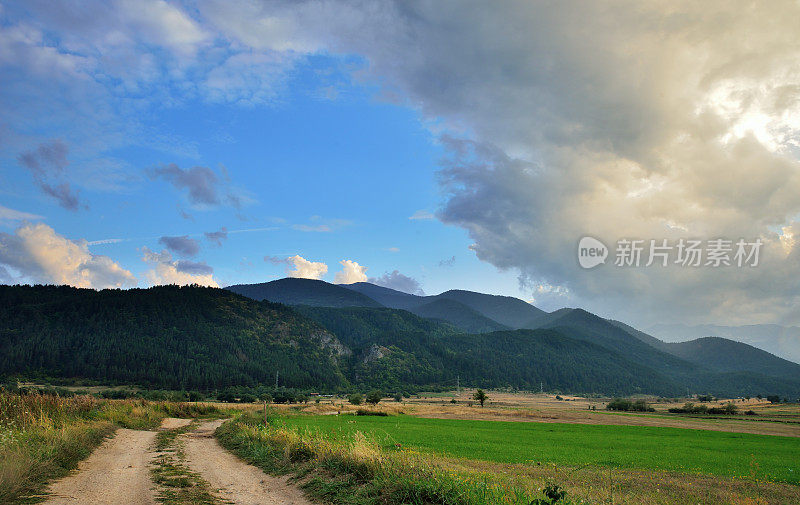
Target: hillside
{"points": [[782, 341], [725, 355], [503, 311], [290, 291], [163, 337], [506, 310], [458, 314]]}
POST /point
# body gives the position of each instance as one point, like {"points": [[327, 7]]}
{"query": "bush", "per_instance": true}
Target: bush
{"points": [[374, 397], [365, 412], [623, 405], [355, 399]]}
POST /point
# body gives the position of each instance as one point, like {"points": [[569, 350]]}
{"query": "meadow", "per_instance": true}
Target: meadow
{"points": [[717, 453]]}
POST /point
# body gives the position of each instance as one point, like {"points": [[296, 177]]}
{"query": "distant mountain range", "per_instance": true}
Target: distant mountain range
{"points": [[783, 341], [333, 337], [700, 364]]}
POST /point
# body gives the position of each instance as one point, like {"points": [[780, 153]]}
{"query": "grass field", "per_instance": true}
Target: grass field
{"points": [[698, 451]]}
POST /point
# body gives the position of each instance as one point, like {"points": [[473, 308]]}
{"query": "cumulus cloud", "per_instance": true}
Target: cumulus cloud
{"points": [[181, 272], [606, 119], [47, 163], [41, 255], [216, 237], [351, 272], [183, 245], [398, 281], [299, 267]]}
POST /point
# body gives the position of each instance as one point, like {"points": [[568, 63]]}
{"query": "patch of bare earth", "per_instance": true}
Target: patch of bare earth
{"points": [[231, 478], [116, 473]]}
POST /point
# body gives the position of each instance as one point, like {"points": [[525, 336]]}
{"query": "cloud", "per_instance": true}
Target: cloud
{"points": [[312, 228], [398, 281], [351, 272], [201, 183], [448, 262], [181, 272], [46, 163], [421, 215], [610, 120], [183, 245], [41, 255], [301, 268], [7, 214], [216, 237]]}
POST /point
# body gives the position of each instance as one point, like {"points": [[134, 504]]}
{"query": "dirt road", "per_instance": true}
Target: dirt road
{"points": [[117, 473], [230, 477]]}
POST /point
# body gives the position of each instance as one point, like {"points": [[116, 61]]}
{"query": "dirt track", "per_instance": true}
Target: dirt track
{"points": [[117, 473], [233, 479]]}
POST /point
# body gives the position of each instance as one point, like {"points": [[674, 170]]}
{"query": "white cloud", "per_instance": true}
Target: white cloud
{"points": [[39, 254], [301, 268], [7, 214], [181, 272], [351, 272], [421, 215]]}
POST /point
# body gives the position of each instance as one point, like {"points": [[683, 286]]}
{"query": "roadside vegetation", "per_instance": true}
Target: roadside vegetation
{"points": [[43, 436], [357, 469]]}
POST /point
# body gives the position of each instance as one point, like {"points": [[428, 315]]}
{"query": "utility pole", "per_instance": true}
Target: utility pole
{"points": [[458, 383], [276, 379], [541, 387]]}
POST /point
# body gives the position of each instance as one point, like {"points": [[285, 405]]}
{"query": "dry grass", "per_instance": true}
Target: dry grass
{"points": [[44, 436]]}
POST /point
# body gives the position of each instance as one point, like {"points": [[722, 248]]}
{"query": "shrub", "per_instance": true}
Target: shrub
{"points": [[365, 412], [355, 398], [621, 404], [374, 397]]}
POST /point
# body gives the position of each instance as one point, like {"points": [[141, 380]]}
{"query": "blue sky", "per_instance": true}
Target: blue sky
{"points": [[304, 134], [326, 170]]}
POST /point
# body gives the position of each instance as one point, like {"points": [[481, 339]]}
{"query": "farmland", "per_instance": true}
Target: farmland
{"points": [[633, 447]]}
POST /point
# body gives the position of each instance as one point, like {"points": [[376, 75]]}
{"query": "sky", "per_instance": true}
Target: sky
{"points": [[420, 145]]}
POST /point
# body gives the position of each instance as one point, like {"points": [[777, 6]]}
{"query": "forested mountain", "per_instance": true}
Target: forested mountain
{"points": [[290, 291], [508, 311], [209, 339], [165, 337], [782, 341], [725, 355], [393, 348], [458, 314]]}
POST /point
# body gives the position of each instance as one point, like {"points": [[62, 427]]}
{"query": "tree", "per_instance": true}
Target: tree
{"points": [[374, 397], [355, 398], [480, 396]]}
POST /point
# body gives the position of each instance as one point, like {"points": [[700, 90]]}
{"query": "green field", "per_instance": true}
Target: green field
{"points": [[711, 452]]}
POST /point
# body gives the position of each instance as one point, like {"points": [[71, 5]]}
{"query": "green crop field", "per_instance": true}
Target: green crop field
{"points": [[711, 452]]}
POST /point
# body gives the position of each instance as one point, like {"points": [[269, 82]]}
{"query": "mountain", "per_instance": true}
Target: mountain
{"points": [[386, 296], [509, 312], [580, 324], [162, 337], [209, 339], [291, 291], [725, 355], [782, 341], [393, 348], [458, 314], [506, 310]]}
